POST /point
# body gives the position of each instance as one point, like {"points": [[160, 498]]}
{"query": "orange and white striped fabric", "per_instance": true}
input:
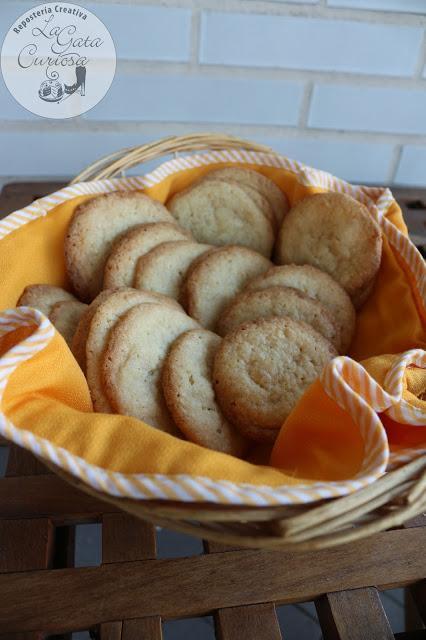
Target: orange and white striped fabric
{"points": [[365, 415], [358, 393]]}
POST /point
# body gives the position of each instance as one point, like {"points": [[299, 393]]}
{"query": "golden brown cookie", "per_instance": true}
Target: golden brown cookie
{"points": [[221, 213], [104, 318], [262, 202], [120, 266], [278, 301], [78, 344], [183, 297], [262, 369], [337, 234], [216, 278], [43, 297], [317, 285], [132, 363], [65, 316], [94, 227], [258, 181], [189, 394], [164, 268]]}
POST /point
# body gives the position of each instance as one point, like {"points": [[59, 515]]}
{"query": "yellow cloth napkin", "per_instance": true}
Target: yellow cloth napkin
{"points": [[341, 435]]}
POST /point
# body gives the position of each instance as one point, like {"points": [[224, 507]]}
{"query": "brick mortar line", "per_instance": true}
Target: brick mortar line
{"points": [[162, 68], [264, 7], [195, 38], [305, 106], [421, 63], [163, 128], [394, 163]]}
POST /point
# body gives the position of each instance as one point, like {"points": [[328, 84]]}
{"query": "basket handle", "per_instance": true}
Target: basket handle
{"points": [[112, 164]]}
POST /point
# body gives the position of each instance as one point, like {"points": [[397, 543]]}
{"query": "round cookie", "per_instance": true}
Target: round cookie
{"points": [[78, 344], [216, 278], [221, 213], [183, 297], [104, 318], [65, 316], [189, 394], [164, 268], [317, 285], [278, 301], [43, 297], [260, 200], [94, 227], [262, 369], [132, 363], [121, 263], [335, 233], [258, 181]]}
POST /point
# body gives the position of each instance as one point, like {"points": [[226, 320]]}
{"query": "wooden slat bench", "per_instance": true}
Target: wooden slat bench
{"points": [[132, 592]]}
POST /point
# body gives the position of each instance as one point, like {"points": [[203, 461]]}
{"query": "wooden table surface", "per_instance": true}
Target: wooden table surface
{"points": [[129, 595]]}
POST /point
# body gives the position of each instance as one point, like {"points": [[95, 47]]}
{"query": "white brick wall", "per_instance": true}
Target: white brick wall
{"points": [[339, 84], [372, 109], [254, 40]]}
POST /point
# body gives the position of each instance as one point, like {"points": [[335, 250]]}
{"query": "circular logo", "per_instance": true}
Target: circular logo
{"points": [[58, 60]]}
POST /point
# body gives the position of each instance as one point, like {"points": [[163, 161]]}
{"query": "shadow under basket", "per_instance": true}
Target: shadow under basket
{"points": [[388, 503]]}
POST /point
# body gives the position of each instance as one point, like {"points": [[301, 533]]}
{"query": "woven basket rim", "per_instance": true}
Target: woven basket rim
{"points": [[392, 500]]}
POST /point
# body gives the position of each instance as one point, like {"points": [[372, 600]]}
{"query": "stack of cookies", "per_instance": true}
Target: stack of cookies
{"points": [[210, 317]]}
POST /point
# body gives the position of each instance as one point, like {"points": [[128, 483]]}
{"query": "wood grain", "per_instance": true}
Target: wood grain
{"points": [[248, 623], [418, 592], [418, 521], [22, 463], [412, 619], [415, 596], [54, 600], [125, 539], [143, 629], [25, 545], [17, 195], [35, 540], [210, 546], [48, 496], [357, 614], [111, 630]]}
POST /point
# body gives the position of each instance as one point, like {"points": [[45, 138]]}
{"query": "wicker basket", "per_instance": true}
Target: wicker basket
{"points": [[388, 502]]}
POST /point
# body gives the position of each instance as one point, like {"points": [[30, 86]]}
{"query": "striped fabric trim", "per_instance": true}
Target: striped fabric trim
{"points": [[402, 411], [344, 380], [145, 486], [354, 390], [402, 456]]}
